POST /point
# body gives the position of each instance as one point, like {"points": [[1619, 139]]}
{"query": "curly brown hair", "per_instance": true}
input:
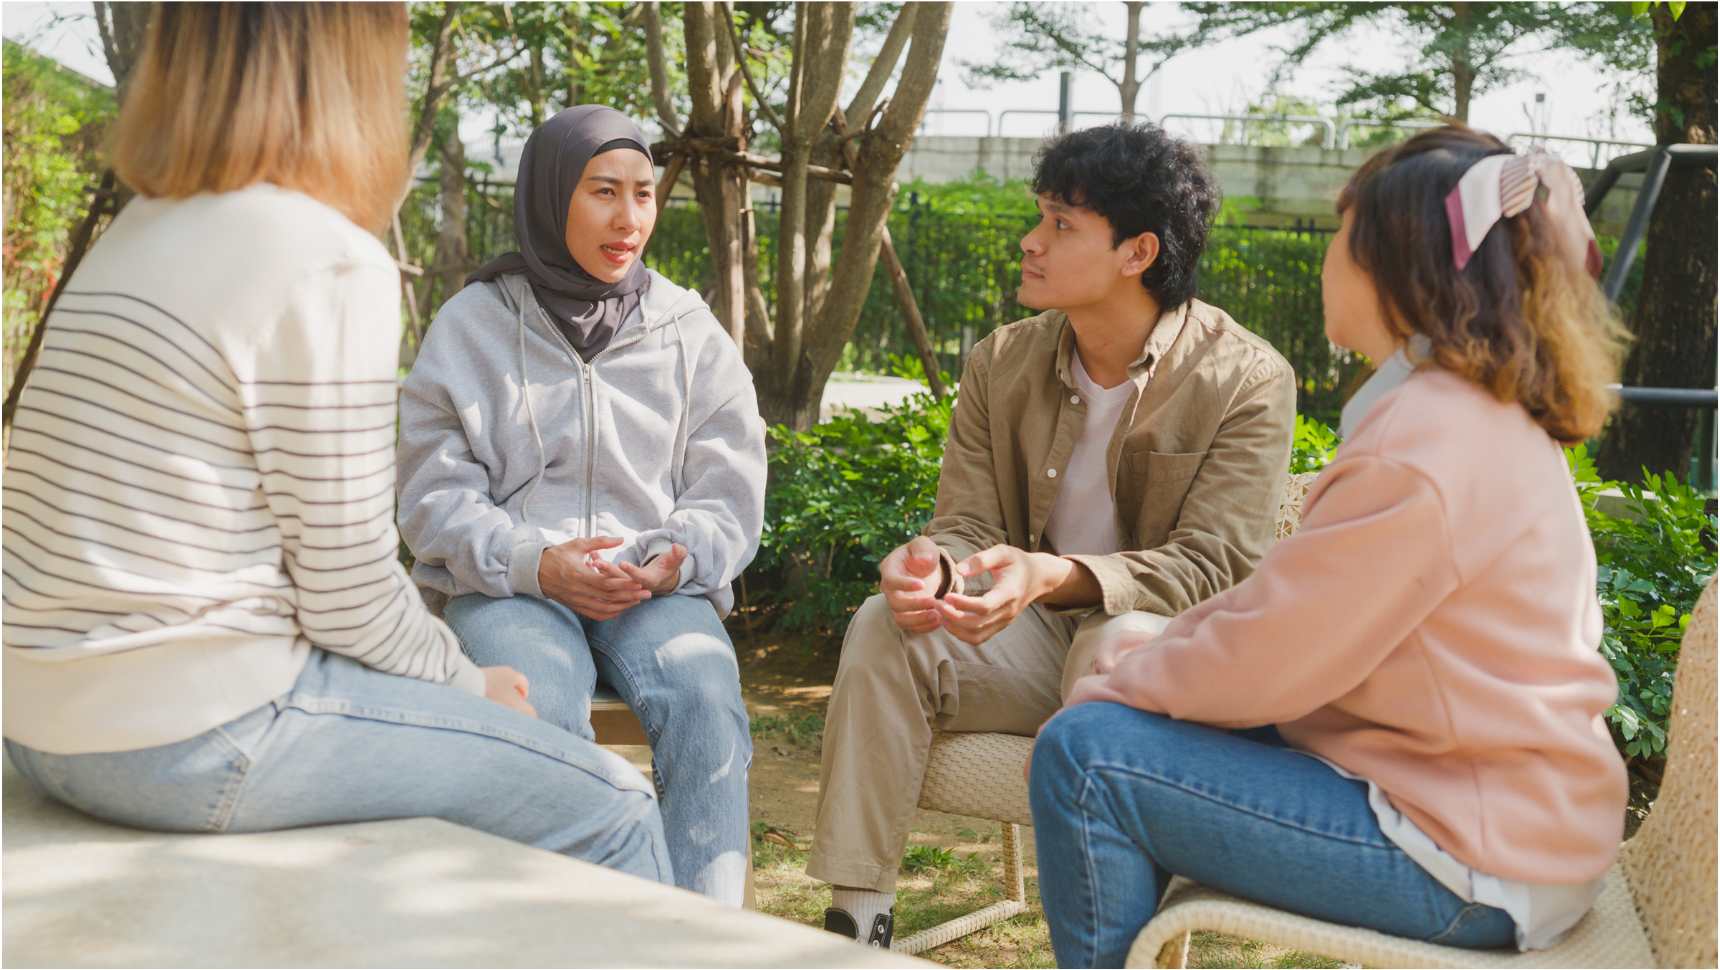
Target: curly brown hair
{"points": [[1520, 320]]}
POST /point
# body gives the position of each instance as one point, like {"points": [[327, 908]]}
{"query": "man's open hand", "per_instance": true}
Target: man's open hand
{"points": [[1017, 582]]}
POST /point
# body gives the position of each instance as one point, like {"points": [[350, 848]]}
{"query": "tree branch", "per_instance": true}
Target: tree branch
{"points": [[727, 11], [435, 86], [895, 42], [703, 82], [474, 72], [657, 61]]}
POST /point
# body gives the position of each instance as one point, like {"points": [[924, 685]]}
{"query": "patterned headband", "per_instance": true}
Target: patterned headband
{"points": [[1502, 186]]}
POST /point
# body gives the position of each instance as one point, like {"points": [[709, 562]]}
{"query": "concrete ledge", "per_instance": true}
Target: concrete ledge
{"points": [[413, 892]]}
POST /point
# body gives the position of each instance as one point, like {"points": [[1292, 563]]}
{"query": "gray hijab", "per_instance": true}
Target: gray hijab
{"points": [[585, 308]]}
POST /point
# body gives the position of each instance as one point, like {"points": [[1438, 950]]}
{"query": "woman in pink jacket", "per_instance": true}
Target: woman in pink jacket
{"points": [[1396, 723]]}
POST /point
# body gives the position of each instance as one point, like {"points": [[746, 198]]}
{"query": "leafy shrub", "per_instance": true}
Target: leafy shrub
{"points": [[53, 121], [1653, 562], [841, 496], [1313, 446], [846, 493]]}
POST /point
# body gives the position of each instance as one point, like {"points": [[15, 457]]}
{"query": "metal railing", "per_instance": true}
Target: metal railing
{"points": [[1324, 124], [1596, 145], [1343, 140], [1003, 117], [967, 112]]}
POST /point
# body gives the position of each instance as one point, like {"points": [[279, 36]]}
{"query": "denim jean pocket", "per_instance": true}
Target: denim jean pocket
{"points": [[186, 786]]}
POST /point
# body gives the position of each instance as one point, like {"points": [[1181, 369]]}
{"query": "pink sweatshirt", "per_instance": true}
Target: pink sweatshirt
{"points": [[1431, 627]]}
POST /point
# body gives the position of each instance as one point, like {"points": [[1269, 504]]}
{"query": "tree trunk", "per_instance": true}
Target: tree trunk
{"points": [[1674, 320], [436, 87], [714, 81], [453, 258], [1462, 65], [879, 152], [1130, 89], [534, 89], [793, 357], [821, 33], [122, 27]]}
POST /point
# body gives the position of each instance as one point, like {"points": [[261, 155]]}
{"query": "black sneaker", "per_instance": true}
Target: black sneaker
{"points": [[838, 921]]}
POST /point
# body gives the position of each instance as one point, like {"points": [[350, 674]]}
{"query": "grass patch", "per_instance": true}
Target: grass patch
{"points": [[1218, 950], [803, 730]]}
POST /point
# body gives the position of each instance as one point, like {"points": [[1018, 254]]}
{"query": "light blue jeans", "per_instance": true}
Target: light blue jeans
{"points": [[352, 744], [671, 660], [1123, 799]]}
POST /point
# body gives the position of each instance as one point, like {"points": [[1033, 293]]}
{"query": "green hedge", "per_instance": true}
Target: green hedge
{"points": [[850, 490], [960, 243]]}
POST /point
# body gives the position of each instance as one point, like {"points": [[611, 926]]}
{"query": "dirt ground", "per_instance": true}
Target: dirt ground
{"points": [[953, 865]]}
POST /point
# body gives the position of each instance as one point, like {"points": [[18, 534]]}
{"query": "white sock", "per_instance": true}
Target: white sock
{"points": [[862, 904]]}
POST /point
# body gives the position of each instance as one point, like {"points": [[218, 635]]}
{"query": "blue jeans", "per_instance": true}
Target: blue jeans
{"points": [[671, 660], [352, 744], [1123, 799]]}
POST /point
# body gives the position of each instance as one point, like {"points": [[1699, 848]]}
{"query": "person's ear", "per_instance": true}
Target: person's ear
{"points": [[1139, 253]]}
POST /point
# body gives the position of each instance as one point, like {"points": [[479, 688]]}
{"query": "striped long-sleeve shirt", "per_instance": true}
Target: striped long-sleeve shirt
{"points": [[199, 486]]}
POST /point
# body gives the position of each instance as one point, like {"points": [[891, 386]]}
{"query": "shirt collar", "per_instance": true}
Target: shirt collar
{"points": [[1387, 378], [1164, 334]]}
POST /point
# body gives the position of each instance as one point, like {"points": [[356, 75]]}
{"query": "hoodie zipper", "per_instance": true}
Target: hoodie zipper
{"points": [[587, 377]]}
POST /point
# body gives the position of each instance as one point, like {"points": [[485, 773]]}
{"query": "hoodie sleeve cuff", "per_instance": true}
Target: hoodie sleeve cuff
{"points": [[662, 546], [523, 568]]}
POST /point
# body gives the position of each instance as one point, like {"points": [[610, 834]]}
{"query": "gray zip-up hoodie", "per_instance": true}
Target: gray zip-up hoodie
{"points": [[509, 443]]}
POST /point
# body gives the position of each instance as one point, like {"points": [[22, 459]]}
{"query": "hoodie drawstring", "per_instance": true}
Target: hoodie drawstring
{"points": [[683, 427], [531, 416]]}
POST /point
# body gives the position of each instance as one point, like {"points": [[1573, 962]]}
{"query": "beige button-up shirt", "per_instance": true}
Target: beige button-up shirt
{"points": [[1197, 462]]}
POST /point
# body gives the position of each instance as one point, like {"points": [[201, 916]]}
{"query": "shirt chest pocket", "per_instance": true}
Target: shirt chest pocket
{"points": [[1154, 485]]}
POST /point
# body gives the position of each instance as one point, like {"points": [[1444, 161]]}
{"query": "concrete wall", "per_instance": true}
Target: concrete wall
{"points": [[1287, 183]]}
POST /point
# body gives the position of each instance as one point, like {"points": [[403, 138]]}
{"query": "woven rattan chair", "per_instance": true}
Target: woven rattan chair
{"points": [[979, 775], [1658, 907]]}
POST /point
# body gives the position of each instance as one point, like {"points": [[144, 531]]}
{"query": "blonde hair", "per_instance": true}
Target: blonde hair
{"points": [[307, 96], [1521, 319]]}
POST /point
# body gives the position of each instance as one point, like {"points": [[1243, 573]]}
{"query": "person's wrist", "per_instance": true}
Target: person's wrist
{"points": [[1045, 573]]}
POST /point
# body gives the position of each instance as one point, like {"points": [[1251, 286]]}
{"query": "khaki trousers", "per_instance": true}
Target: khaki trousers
{"points": [[894, 689]]}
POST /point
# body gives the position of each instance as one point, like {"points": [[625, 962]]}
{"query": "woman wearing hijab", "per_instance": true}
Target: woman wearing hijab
{"points": [[582, 473]]}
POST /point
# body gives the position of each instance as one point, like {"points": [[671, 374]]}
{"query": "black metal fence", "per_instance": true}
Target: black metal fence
{"points": [[963, 265]]}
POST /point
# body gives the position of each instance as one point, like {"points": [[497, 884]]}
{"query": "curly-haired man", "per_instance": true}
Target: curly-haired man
{"points": [[1111, 462]]}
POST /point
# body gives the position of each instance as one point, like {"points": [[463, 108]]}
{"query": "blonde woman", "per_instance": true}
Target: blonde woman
{"points": [[206, 627]]}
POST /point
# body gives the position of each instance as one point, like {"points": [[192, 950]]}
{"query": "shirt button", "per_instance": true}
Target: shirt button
{"points": [[1074, 399], [1050, 473]]}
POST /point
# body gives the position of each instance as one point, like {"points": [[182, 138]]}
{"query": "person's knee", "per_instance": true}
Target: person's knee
{"points": [[874, 646], [1073, 740]]}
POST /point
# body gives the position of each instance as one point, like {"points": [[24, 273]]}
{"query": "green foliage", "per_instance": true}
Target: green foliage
{"points": [[841, 496], [1040, 38], [932, 858], [804, 729], [1438, 42], [54, 119], [1654, 559], [1313, 446]]}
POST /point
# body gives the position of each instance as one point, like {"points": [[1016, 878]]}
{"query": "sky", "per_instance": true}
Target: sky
{"points": [[1216, 79]]}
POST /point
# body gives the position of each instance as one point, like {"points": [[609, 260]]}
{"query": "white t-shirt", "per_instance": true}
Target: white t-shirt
{"points": [[1084, 520]]}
